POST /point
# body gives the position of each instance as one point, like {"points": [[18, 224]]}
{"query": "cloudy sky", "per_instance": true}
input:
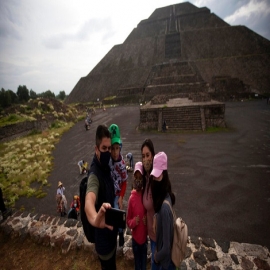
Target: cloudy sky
{"points": [[51, 44]]}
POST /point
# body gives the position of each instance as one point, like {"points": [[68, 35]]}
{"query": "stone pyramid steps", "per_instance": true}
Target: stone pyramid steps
{"points": [[183, 118]]}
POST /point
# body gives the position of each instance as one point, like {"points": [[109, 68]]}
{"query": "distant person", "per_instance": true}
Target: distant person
{"points": [[136, 220], [164, 126], [74, 207], [118, 173], [97, 201], [82, 166], [5, 211], [60, 191], [148, 153], [129, 157], [162, 191]]}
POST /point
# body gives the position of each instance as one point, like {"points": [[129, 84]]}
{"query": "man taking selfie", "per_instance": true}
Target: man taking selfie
{"points": [[99, 197]]}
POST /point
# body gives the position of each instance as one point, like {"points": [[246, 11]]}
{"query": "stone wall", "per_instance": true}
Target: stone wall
{"points": [[201, 253], [15, 130], [196, 117]]}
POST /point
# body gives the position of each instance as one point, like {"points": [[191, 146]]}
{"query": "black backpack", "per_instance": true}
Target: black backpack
{"points": [[88, 229]]}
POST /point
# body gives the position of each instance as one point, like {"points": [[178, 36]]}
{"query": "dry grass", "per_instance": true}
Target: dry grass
{"points": [[17, 254]]}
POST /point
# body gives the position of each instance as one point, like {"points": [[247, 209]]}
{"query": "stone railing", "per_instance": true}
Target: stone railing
{"points": [[201, 253]]}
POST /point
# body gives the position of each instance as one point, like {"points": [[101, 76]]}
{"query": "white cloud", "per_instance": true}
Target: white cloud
{"points": [[253, 8]]}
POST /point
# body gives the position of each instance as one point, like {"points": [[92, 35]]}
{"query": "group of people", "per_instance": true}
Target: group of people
{"points": [[61, 203], [106, 188]]}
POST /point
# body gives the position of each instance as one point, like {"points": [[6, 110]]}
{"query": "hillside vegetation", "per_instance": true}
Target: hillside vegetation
{"points": [[25, 163]]}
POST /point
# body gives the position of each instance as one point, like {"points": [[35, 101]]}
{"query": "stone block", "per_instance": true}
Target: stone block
{"points": [[65, 246], [211, 255], [200, 258]]}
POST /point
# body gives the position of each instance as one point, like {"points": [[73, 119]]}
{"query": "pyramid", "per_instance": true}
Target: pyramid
{"points": [[180, 49]]}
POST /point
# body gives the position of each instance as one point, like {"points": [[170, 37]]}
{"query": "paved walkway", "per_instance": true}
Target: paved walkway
{"points": [[221, 180]]}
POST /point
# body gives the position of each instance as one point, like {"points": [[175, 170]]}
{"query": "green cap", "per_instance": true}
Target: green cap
{"points": [[115, 134]]}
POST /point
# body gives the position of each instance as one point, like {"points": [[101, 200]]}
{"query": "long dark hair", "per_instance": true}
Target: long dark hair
{"points": [[149, 144], [160, 189]]}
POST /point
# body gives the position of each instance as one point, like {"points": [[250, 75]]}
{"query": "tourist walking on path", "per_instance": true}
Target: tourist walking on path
{"points": [[162, 195], [99, 197], [61, 199], [148, 153], [136, 220], [118, 173]]}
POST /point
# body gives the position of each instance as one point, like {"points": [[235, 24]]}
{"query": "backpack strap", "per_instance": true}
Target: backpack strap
{"points": [[167, 202]]}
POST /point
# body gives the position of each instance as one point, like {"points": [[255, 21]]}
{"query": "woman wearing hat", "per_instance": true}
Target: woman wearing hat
{"points": [[62, 199], [163, 199]]}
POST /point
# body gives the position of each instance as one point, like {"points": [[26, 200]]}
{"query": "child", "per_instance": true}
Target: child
{"points": [[136, 220], [118, 173], [161, 190], [74, 207], [76, 203]]}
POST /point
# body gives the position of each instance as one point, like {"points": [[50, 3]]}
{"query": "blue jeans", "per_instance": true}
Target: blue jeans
{"points": [[154, 266], [140, 255], [120, 230]]}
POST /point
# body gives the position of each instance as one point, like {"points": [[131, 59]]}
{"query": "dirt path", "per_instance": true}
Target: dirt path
{"points": [[221, 180]]}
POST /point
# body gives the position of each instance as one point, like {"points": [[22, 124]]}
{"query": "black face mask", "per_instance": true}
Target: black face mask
{"points": [[104, 158]]}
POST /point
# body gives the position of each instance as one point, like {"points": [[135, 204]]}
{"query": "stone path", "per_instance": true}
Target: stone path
{"points": [[221, 180]]}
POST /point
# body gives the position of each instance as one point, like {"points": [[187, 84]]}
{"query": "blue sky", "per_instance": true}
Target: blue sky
{"points": [[50, 45]]}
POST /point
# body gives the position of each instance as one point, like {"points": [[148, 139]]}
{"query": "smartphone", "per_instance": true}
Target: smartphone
{"points": [[116, 218]]}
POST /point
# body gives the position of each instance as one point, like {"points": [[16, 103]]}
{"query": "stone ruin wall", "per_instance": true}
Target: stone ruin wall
{"points": [[67, 235], [211, 116], [9, 132]]}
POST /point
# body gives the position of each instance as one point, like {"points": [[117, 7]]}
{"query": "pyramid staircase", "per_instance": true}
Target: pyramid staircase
{"points": [[183, 118], [174, 78]]}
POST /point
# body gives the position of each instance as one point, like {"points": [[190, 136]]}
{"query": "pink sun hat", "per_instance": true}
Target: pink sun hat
{"points": [[138, 167], [159, 164]]}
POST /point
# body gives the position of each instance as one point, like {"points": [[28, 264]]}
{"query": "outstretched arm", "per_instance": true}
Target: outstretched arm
{"points": [[97, 219]]}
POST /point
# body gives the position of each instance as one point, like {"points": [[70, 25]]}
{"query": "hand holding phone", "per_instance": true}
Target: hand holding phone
{"points": [[115, 217]]}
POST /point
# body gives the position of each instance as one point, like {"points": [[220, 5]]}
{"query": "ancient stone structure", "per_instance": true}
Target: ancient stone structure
{"points": [[197, 113], [201, 253], [9, 132], [180, 49]]}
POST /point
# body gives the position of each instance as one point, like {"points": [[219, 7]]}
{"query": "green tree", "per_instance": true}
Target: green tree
{"points": [[33, 94], [47, 94], [7, 98], [61, 95], [13, 96], [23, 93]]}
